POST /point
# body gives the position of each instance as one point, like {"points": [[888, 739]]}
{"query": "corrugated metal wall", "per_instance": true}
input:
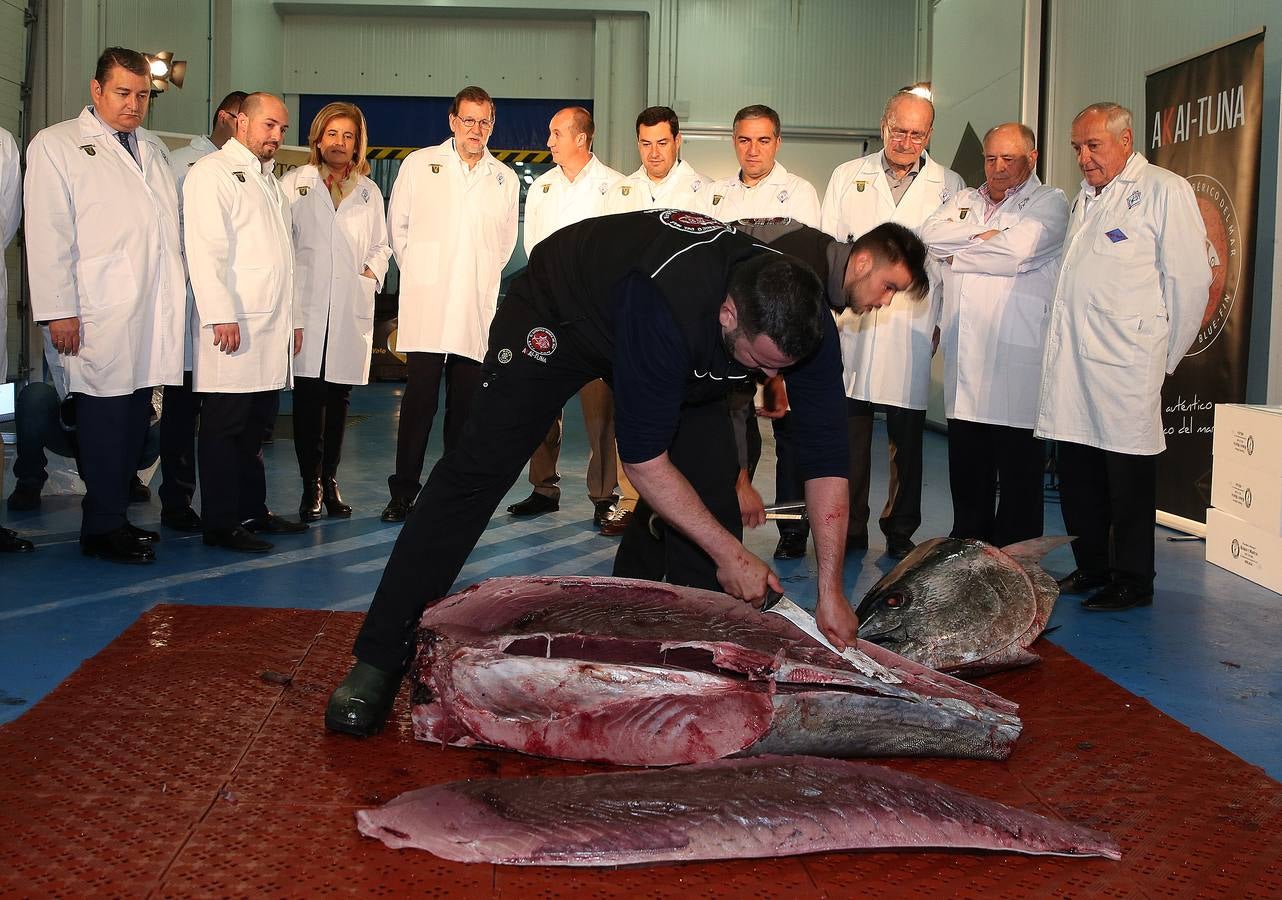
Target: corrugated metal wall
{"points": [[434, 56], [153, 25], [819, 63]]}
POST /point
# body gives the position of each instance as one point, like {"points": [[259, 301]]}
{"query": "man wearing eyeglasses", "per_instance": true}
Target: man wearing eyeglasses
{"points": [[181, 407], [886, 354], [451, 222]]}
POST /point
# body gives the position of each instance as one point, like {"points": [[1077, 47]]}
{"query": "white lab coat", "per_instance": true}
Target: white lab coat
{"points": [[778, 195], [679, 190], [241, 260], [996, 296], [886, 352], [332, 247], [554, 201], [102, 244], [10, 216], [453, 231], [1125, 310], [180, 163]]}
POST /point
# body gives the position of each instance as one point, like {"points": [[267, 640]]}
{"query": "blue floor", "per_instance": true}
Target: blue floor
{"points": [[1209, 652]]}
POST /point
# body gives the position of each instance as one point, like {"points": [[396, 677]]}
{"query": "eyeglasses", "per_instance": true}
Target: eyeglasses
{"points": [[469, 123], [916, 138]]}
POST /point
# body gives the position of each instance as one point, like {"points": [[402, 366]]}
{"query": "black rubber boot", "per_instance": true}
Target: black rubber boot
{"points": [[361, 703]]}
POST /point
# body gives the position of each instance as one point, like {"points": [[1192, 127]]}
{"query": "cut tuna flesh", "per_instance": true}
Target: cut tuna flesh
{"points": [[725, 809], [639, 673]]}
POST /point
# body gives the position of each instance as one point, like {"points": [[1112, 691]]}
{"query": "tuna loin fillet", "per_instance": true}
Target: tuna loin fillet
{"points": [[639, 673], [726, 809]]}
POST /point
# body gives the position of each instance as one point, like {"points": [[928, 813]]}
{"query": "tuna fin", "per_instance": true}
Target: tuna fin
{"points": [[1032, 551]]}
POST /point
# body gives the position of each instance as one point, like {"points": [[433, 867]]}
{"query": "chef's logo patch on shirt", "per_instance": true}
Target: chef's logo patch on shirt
{"points": [[1116, 235], [505, 356], [540, 343], [690, 223], [500, 178], [695, 185], [302, 190], [962, 213], [436, 168], [365, 195], [1132, 200], [783, 196], [546, 188], [89, 149], [1023, 203], [627, 189], [240, 176], [944, 195], [716, 198], [860, 185]]}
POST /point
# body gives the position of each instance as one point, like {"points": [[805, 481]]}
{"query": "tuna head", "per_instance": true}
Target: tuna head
{"points": [[950, 604]]}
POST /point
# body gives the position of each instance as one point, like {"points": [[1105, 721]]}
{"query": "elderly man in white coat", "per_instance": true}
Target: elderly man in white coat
{"points": [[578, 187], [452, 221], [10, 215], [340, 259], [999, 246], [1128, 305], [240, 257], [106, 277], [887, 353], [178, 424], [664, 181]]}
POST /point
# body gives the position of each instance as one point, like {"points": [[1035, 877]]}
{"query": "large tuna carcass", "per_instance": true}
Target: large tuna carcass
{"points": [[640, 673]]}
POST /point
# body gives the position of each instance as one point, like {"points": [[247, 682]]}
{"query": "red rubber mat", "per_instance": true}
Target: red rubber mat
{"points": [[175, 763]]}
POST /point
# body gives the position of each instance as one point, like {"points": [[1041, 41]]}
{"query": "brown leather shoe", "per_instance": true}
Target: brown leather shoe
{"points": [[616, 521]]}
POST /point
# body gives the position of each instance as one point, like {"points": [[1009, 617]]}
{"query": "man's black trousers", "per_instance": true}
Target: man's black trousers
{"points": [[982, 456], [519, 396], [233, 485], [111, 433]]}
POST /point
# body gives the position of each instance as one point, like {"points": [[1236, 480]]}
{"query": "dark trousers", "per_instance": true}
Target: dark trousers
{"points": [[320, 417], [704, 451], [901, 515], [418, 409], [111, 432], [38, 429], [1109, 502], [982, 456], [233, 485], [178, 445], [789, 485]]}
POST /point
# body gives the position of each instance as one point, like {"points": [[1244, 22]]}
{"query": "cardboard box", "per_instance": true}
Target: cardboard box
{"points": [[1249, 435], [1252, 495], [1244, 549]]}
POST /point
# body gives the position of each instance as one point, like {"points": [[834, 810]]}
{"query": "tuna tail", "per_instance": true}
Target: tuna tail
{"points": [[1031, 551]]}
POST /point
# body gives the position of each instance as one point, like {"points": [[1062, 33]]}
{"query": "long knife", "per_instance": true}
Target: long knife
{"points": [[780, 605]]}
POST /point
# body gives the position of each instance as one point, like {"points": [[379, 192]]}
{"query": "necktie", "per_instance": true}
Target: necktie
{"points": [[123, 137]]}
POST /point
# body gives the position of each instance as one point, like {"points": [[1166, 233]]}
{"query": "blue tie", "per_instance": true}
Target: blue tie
{"points": [[123, 137]]}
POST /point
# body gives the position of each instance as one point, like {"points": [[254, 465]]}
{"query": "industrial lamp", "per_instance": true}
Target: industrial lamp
{"points": [[165, 70]]}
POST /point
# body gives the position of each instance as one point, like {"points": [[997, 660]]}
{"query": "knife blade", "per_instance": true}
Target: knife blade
{"points": [[780, 605]]}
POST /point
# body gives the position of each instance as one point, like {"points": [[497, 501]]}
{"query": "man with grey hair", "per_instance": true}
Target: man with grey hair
{"points": [[1127, 306], [999, 248], [887, 353]]}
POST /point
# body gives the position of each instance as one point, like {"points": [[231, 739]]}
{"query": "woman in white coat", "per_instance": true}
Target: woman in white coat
{"points": [[340, 259]]}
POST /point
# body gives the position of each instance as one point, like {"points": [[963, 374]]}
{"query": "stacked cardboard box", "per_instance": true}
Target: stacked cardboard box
{"points": [[1244, 523]]}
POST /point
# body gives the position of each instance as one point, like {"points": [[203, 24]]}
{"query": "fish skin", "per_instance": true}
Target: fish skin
{"points": [[768, 806], [962, 606], [622, 671]]}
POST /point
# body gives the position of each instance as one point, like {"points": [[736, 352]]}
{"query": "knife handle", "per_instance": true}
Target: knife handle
{"points": [[772, 597]]}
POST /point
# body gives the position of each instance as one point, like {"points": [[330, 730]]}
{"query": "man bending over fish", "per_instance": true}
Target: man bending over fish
{"points": [[671, 308]]}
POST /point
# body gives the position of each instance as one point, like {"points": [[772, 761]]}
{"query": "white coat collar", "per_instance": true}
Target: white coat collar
{"points": [[92, 126], [587, 173], [675, 174], [930, 170], [446, 152], [778, 176], [238, 152], [202, 144], [1130, 172]]}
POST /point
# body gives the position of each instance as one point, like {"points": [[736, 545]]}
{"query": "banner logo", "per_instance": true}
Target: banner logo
{"points": [[1223, 232], [1211, 114]]}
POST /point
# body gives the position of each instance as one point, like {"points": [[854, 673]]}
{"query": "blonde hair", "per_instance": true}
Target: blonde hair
{"points": [[340, 110]]}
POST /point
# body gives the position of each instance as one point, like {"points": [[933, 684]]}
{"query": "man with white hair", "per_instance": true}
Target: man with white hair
{"points": [[999, 248], [1128, 304]]}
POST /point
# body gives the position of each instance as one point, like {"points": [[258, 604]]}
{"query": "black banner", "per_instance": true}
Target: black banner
{"points": [[1203, 117]]}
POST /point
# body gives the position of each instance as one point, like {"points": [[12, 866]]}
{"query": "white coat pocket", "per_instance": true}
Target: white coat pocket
{"points": [[255, 288], [422, 263], [104, 282], [1109, 338], [365, 298]]}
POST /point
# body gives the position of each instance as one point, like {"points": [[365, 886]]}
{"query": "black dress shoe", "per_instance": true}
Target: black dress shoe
{"points": [[360, 704], [792, 545], [11, 543], [142, 534], [1119, 596], [138, 492], [335, 508], [25, 497], [1079, 582], [235, 539], [273, 524], [534, 505], [397, 509], [184, 519], [309, 508], [601, 510], [899, 547], [117, 546]]}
